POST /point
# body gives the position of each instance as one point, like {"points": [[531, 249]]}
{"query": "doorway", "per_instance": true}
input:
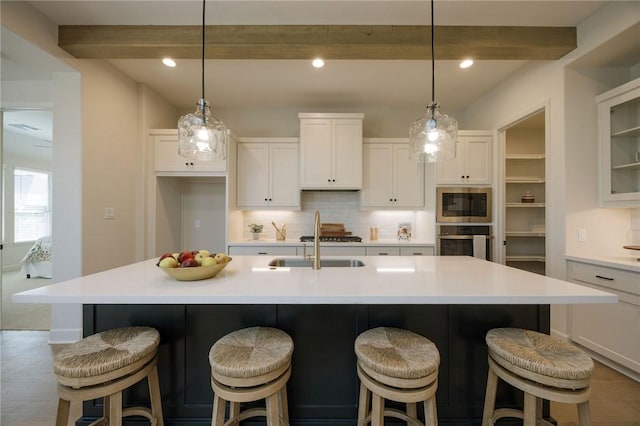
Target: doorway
{"points": [[27, 160]]}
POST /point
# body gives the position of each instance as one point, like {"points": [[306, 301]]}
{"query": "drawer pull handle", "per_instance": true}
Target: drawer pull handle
{"points": [[604, 278], [382, 253], [262, 252]]}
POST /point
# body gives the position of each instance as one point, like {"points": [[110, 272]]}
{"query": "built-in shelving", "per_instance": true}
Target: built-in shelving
{"points": [[524, 223]]}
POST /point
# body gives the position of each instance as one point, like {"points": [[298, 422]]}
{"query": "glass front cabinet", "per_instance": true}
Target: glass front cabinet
{"points": [[619, 140]]}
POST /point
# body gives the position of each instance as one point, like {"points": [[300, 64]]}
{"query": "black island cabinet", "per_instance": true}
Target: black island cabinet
{"points": [[323, 389]]}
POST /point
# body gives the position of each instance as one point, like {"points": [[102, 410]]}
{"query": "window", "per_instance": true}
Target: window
{"points": [[32, 205]]}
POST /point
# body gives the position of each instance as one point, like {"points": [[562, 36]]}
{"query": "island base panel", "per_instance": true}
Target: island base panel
{"points": [[323, 389]]}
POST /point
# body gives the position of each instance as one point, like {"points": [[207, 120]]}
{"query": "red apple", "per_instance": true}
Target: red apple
{"points": [[184, 255], [189, 262], [163, 257]]}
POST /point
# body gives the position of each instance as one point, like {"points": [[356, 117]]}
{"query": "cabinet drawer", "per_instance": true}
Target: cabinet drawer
{"points": [[383, 251], [261, 250], [615, 279], [417, 251]]}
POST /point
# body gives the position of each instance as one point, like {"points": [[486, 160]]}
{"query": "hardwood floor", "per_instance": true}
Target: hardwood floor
{"points": [[29, 388]]}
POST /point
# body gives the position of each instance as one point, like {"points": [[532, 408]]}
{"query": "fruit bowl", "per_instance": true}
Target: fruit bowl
{"points": [[195, 273]]}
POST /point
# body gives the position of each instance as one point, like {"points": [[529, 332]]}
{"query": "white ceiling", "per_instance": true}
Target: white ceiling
{"points": [[345, 84]]}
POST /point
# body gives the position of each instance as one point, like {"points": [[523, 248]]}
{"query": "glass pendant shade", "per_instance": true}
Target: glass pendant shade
{"points": [[433, 137], [201, 136]]}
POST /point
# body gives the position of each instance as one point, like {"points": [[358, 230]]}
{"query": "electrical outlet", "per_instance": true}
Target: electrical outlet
{"points": [[197, 223], [109, 213], [582, 234]]}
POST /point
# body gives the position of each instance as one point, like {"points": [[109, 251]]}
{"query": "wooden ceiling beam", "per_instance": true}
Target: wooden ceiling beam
{"points": [[308, 41]]}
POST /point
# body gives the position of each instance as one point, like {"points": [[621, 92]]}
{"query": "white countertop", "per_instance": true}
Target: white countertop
{"points": [[629, 263], [383, 280]]}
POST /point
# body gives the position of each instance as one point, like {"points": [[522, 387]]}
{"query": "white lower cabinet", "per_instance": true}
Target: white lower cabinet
{"points": [[417, 251], [383, 251], [262, 250], [611, 330], [333, 251]]}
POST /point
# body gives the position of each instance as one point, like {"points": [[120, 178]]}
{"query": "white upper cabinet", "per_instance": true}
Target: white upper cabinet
{"points": [[267, 174], [619, 140], [330, 151], [167, 161], [390, 178], [472, 164]]}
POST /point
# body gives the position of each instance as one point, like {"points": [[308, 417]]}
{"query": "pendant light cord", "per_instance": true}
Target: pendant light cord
{"points": [[203, 41], [433, 61]]}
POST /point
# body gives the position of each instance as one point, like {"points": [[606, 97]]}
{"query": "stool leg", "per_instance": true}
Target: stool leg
{"points": [[273, 418], [363, 405], [234, 410], [490, 397], [155, 396], [284, 405], [62, 417], [115, 409], [584, 417], [529, 409], [377, 410], [430, 412], [217, 418], [412, 410]]}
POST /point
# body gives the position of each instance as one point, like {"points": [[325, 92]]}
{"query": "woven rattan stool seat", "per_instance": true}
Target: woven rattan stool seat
{"points": [[250, 365], [396, 365], [540, 353], [251, 352], [102, 366], [105, 352], [543, 367], [398, 353]]}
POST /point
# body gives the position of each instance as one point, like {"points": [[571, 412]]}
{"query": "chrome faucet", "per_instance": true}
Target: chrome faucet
{"points": [[316, 241]]}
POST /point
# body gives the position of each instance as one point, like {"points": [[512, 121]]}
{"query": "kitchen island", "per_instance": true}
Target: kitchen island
{"points": [[451, 300]]}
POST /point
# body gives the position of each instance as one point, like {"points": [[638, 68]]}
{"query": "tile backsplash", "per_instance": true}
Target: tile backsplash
{"points": [[341, 207]]}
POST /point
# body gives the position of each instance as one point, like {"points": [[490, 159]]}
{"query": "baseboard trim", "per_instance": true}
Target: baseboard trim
{"points": [[64, 335]]}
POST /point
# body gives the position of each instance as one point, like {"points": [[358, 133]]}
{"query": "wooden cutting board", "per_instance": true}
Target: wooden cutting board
{"points": [[631, 247]]}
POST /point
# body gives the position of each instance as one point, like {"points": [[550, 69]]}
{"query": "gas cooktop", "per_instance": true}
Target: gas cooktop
{"points": [[332, 238]]}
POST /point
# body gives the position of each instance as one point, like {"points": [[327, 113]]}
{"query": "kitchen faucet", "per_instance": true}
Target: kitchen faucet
{"points": [[316, 241]]}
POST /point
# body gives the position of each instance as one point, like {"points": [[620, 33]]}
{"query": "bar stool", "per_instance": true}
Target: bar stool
{"points": [[248, 365], [543, 367], [102, 366], [396, 365]]}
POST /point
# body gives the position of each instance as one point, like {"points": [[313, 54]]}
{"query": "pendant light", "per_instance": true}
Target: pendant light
{"points": [[201, 136], [433, 137]]}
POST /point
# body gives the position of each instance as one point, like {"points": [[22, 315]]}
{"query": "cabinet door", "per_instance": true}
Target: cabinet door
{"points": [[166, 158], [347, 154], [283, 176], [315, 153], [377, 185], [451, 171], [252, 186], [477, 160], [408, 179]]}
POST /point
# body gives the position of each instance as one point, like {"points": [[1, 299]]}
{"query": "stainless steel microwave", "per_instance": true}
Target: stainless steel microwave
{"points": [[463, 205]]}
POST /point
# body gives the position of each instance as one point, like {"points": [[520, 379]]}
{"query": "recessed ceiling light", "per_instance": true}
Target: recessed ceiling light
{"points": [[169, 62], [318, 63], [466, 63]]}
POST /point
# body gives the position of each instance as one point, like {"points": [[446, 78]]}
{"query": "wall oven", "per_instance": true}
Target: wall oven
{"points": [[464, 240], [463, 205]]}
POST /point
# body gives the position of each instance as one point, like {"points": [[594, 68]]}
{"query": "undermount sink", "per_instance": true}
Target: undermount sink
{"points": [[324, 263]]}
